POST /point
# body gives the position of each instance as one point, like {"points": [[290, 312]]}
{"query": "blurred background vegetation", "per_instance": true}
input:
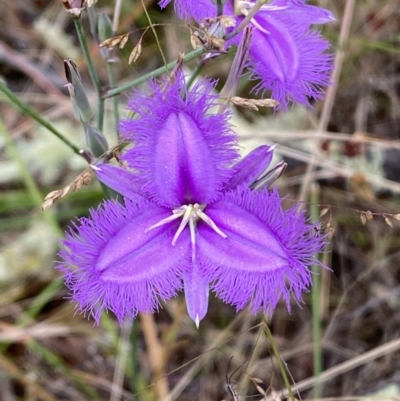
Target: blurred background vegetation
{"points": [[346, 332]]}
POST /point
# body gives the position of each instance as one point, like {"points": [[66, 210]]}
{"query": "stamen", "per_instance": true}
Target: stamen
{"points": [[186, 217], [190, 214], [207, 220], [177, 213]]}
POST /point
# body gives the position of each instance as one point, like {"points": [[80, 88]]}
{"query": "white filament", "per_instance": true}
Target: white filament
{"points": [[190, 215]]}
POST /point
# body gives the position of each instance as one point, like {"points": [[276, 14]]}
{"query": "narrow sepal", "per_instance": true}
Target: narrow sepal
{"points": [[110, 262], [182, 153], [196, 293], [119, 179], [267, 252], [249, 169]]}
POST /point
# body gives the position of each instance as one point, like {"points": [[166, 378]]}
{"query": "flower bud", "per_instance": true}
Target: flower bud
{"points": [[269, 176], [74, 7], [96, 141], [80, 104]]}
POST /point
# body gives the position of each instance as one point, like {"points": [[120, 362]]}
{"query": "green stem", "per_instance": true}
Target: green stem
{"points": [[220, 8], [280, 361], [92, 72], [111, 79], [316, 302], [154, 33], [27, 110], [153, 74]]}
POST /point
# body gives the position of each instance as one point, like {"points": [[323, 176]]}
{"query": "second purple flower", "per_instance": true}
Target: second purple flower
{"points": [[287, 57]]}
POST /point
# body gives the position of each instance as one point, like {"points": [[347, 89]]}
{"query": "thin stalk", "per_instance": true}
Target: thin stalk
{"points": [[111, 79], [117, 13], [220, 8], [316, 302], [280, 361], [92, 72], [133, 368], [154, 33], [27, 110], [153, 74]]}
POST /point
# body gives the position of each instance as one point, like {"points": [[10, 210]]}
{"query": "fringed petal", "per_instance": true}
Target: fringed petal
{"points": [[111, 263], [291, 64], [196, 9], [250, 168], [196, 293], [119, 179], [266, 254], [299, 12], [182, 153]]}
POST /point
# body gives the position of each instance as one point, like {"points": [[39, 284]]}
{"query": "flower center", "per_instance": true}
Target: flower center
{"points": [[190, 215]]}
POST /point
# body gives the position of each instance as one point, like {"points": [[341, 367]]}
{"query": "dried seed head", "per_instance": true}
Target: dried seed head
{"points": [[253, 104], [324, 211], [388, 222], [120, 40], [363, 218], [331, 233], [54, 196], [396, 216], [369, 215], [136, 52], [227, 21]]}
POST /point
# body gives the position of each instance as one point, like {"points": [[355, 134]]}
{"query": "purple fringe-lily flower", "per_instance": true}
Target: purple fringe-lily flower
{"points": [[286, 56], [193, 218]]}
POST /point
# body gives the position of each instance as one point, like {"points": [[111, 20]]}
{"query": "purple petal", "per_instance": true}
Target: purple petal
{"points": [[196, 9], [291, 64], [196, 293], [119, 179], [273, 39], [249, 169], [300, 13], [110, 262], [267, 252], [182, 153]]}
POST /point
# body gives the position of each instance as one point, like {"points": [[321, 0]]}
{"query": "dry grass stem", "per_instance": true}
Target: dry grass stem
{"points": [[253, 104], [156, 355]]}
